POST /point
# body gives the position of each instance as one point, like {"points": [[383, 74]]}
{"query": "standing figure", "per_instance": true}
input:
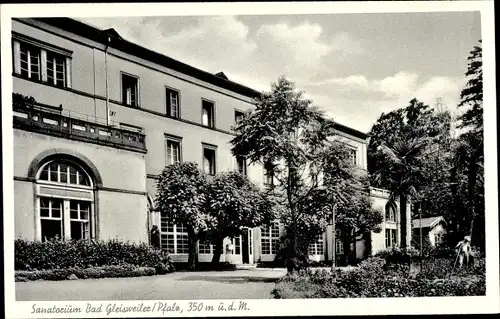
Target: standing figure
{"points": [[463, 251]]}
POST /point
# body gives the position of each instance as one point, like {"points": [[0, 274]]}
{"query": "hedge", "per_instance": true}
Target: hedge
{"points": [[84, 273], [83, 254], [374, 279]]}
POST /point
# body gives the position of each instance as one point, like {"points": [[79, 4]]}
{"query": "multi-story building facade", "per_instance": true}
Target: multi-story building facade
{"points": [[107, 117]]}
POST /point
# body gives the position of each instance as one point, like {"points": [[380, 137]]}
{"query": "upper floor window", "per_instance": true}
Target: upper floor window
{"points": [[173, 103], [390, 213], [56, 69], [209, 155], [30, 61], [130, 90], [268, 174], [41, 62], [238, 116], [352, 156], [241, 165], [207, 113], [173, 146]]}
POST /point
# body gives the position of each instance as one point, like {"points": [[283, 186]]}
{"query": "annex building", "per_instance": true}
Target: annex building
{"points": [[107, 116]]}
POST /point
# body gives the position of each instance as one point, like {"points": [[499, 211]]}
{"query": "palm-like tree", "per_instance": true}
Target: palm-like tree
{"points": [[401, 170]]}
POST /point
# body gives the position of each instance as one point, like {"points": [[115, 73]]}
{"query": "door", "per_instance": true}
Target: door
{"points": [[245, 247]]}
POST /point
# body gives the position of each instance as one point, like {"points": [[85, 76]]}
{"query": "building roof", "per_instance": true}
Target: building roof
{"points": [[112, 38], [427, 222]]}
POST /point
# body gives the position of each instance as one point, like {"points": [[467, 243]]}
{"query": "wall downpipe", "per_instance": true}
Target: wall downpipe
{"points": [[108, 123]]}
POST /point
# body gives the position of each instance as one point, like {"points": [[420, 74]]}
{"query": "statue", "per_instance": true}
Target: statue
{"points": [[463, 251]]}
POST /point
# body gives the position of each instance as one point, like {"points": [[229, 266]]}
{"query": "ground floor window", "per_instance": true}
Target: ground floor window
{"points": [[205, 246], [55, 211], [270, 239], [236, 241], [390, 238], [339, 247], [316, 248], [174, 238]]}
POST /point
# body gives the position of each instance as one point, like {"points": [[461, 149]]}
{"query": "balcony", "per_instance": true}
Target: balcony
{"points": [[45, 119]]}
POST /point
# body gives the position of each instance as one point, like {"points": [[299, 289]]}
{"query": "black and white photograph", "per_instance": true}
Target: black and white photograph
{"points": [[244, 159]]}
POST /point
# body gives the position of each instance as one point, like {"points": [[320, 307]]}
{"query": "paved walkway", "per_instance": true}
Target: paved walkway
{"points": [[239, 284]]}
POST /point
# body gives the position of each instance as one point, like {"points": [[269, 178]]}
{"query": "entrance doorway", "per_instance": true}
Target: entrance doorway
{"points": [[245, 249]]}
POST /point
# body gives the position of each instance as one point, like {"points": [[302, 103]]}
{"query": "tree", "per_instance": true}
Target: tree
{"points": [[356, 217], [401, 142], [290, 136], [469, 157], [181, 197], [233, 202]]}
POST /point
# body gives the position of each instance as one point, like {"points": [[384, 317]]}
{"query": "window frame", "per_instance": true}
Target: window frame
{"points": [[137, 90], [390, 213], [44, 49], [213, 148], [245, 165], [168, 102], [316, 245], [177, 232], [236, 122], [173, 139], [58, 191], [271, 237], [211, 119], [266, 174]]}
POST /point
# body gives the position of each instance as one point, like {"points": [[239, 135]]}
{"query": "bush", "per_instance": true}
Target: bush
{"points": [[84, 273], [57, 254], [374, 278]]}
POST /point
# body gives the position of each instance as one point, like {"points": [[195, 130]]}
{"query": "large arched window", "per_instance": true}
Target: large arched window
{"points": [[64, 198]]}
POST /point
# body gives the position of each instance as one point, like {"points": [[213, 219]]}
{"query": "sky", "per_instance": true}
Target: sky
{"points": [[353, 66]]}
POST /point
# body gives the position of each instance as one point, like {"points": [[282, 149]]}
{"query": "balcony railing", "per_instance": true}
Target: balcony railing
{"points": [[39, 118]]}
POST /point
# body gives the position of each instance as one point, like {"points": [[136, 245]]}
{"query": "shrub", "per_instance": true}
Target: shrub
{"points": [[57, 254], [374, 278], [84, 273]]}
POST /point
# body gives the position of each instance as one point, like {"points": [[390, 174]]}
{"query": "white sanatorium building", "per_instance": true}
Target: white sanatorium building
{"points": [[109, 116]]}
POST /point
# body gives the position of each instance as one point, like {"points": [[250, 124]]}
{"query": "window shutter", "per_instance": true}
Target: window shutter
{"points": [[68, 72], [17, 57], [43, 65]]}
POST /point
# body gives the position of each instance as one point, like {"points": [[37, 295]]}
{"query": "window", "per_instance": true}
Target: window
{"points": [[64, 206], [41, 62], [207, 113], [352, 156], [56, 69], [241, 165], [316, 248], [390, 238], [173, 103], [51, 212], [270, 239], [268, 174], [205, 246], [30, 61], [62, 172], [130, 90], [173, 150], [390, 213], [339, 247], [209, 160], [174, 238], [79, 213], [238, 116], [237, 245]]}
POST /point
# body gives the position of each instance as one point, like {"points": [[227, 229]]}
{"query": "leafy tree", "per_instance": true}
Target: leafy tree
{"points": [[401, 142], [356, 217], [290, 136], [472, 95], [233, 202], [181, 197]]}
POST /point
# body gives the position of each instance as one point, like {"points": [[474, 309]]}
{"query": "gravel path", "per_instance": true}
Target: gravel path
{"points": [[239, 284]]}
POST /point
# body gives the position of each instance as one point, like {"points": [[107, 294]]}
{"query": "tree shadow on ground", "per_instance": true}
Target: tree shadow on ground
{"points": [[229, 279]]}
